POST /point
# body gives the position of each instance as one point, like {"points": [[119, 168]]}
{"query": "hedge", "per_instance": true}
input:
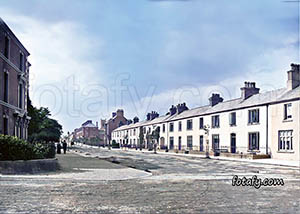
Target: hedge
{"points": [[13, 148]]}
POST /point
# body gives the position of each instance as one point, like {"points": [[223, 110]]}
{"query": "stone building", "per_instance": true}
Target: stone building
{"points": [[255, 124], [14, 84]]}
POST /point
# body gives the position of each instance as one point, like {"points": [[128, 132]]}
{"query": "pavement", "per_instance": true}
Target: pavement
{"points": [[90, 181], [269, 161], [75, 166]]}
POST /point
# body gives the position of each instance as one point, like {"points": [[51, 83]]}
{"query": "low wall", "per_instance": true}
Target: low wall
{"points": [[28, 166]]}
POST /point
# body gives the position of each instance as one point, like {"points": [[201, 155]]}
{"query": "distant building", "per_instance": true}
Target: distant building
{"points": [[14, 84], [259, 124], [87, 131], [114, 122]]}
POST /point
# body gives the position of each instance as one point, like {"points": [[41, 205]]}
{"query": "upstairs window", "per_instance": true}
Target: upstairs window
{"points": [[201, 123], [171, 127], [232, 119], [189, 124], [6, 47], [21, 67], [215, 121], [253, 116], [164, 128], [5, 87], [179, 126], [287, 111]]}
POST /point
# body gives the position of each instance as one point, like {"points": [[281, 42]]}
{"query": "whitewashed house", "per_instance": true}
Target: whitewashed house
{"points": [[259, 124]]}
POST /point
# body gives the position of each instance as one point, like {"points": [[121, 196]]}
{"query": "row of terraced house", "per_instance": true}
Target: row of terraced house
{"points": [[255, 124]]}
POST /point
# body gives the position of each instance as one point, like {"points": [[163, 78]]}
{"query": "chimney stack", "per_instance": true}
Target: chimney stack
{"points": [[215, 99], [248, 90], [293, 77], [181, 107], [135, 120], [152, 115], [120, 112], [173, 110]]}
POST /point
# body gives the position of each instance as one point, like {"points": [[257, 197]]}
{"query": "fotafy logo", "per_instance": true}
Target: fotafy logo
{"points": [[256, 182]]}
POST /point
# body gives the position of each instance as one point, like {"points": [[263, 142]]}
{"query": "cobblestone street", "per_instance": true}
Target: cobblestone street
{"points": [[177, 185]]}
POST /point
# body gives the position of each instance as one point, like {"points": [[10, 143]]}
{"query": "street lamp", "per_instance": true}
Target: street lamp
{"points": [[206, 129]]}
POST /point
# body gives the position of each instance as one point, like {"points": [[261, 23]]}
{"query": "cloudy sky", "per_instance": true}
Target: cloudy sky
{"points": [[91, 57]]}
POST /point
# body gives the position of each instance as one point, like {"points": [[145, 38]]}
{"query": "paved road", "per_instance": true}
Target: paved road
{"points": [[178, 185]]}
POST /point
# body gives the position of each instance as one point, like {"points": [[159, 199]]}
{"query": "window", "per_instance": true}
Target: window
{"points": [[215, 121], [253, 116], [288, 111], [189, 142], [179, 126], [232, 119], [285, 140], [134, 132], [201, 123], [164, 128], [189, 124], [171, 143], [20, 96], [171, 127], [6, 47], [21, 62], [254, 141], [201, 143], [5, 87], [5, 126], [215, 141]]}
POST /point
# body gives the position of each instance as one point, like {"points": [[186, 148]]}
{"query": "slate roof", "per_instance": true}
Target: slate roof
{"points": [[269, 97]]}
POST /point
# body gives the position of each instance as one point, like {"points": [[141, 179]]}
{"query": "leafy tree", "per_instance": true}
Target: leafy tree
{"points": [[41, 127], [141, 137]]}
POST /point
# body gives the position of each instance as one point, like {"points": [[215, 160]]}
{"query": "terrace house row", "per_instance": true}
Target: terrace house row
{"points": [[257, 123]]}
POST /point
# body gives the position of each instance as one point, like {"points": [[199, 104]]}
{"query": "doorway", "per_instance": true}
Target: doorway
{"points": [[232, 143]]}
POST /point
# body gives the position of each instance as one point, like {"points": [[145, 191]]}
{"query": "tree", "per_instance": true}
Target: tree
{"points": [[41, 127], [141, 137], [155, 136]]}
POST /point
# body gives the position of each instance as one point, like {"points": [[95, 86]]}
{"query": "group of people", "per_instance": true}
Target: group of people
{"points": [[64, 146]]}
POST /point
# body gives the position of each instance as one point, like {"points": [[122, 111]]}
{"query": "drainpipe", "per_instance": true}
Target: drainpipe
{"points": [[167, 140], [267, 129]]}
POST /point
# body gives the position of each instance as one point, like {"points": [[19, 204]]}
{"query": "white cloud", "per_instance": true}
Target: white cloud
{"points": [[268, 70], [59, 50]]}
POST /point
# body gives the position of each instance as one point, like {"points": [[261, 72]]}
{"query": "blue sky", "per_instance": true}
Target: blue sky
{"points": [[91, 57]]}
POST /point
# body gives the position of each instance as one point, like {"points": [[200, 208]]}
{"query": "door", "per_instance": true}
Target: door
{"points": [[215, 141], [233, 143], [201, 143], [179, 143]]}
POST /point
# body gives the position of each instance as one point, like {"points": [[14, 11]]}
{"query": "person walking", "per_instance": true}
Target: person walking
{"points": [[65, 146], [58, 147]]}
